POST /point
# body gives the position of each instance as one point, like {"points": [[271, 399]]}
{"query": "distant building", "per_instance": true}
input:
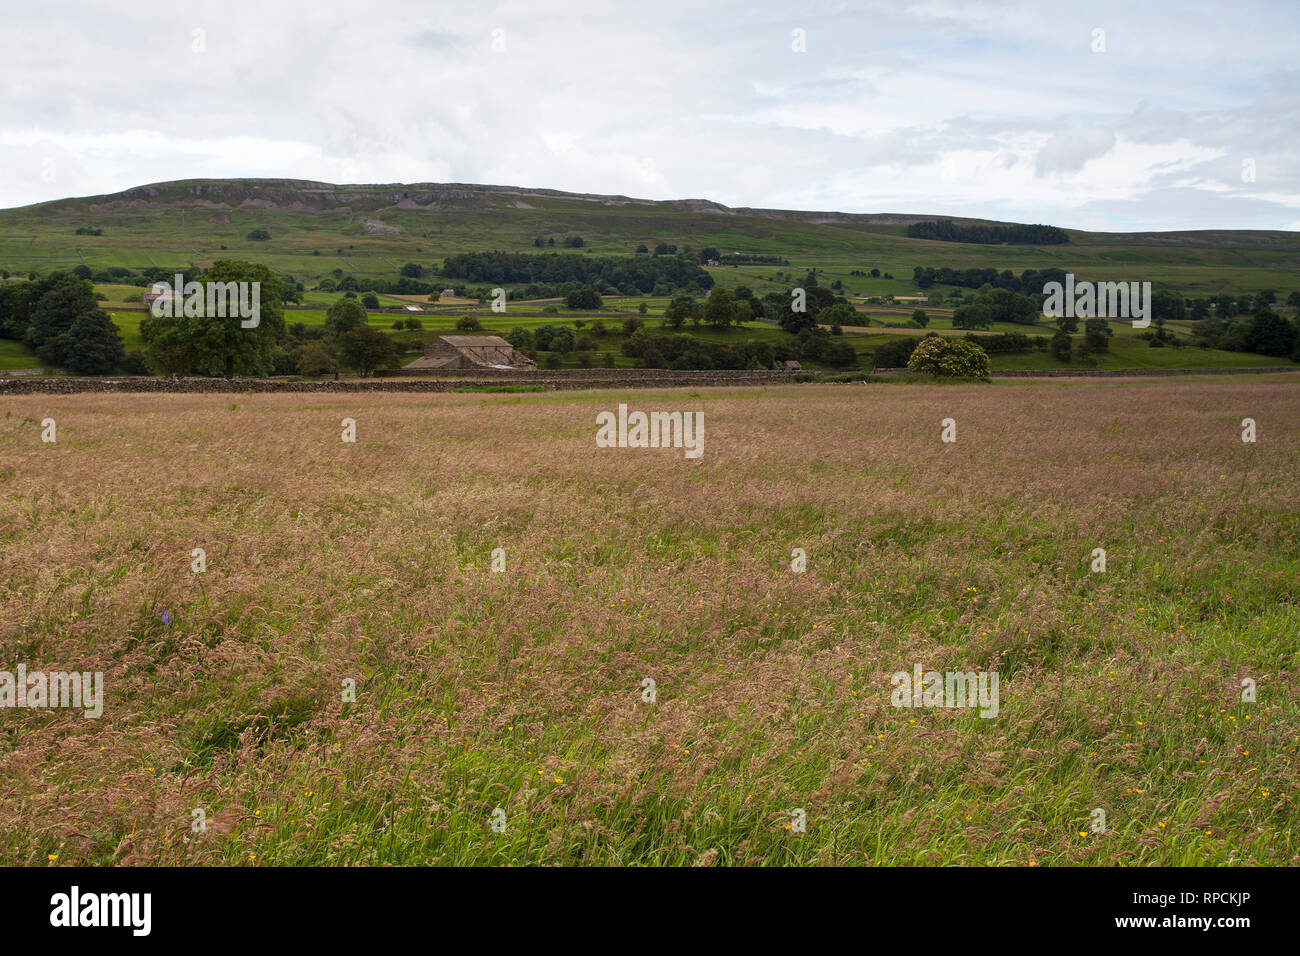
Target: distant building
{"points": [[447, 294], [470, 352], [414, 308], [792, 366], [159, 290]]}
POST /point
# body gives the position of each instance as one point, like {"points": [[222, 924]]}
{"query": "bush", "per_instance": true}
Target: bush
{"points": [[949, 358], [469, 323], [1062, 346], [317, 358], [895, 354]]}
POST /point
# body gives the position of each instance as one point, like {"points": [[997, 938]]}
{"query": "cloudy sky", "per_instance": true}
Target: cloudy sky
{"points": [[1163, 114]]}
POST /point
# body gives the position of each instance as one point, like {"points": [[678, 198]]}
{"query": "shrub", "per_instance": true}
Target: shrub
{"points": [[469, 323], [317, 358], [949, 358], [894, 354], [1062, 346]]}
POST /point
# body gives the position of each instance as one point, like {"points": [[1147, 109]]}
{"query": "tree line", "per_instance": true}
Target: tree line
{"points": [[945, 230], [630, 275]]}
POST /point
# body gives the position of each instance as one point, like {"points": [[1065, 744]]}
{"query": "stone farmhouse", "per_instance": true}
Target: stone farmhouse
{"points": [[471, 352]]}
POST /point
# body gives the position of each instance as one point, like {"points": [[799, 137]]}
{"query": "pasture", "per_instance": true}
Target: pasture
{"points": [[523, 691]]}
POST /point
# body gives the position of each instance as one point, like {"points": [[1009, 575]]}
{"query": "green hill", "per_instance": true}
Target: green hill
{"points": [[315, 229], [372, 230]]}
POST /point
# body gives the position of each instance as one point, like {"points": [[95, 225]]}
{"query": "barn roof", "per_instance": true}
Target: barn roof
{"points": [[471, 341]]}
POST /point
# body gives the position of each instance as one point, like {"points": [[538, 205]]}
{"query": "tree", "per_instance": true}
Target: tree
{"points": [[840, 314], [895, 354], [949, 358], [92, 345], [563, 340], [681, 308], [221, 345], [719, 309], [584, 297], [60, 301], [1270, 334], [1062, 346], [370, 300], [366, 349], [1095, 341], [317, 358], [1008, 306], [976, 315], [260, 234], [343, 316], [1167, 305], [412, 270], [920, 318]]}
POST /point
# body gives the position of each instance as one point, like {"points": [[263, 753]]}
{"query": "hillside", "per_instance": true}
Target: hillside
{"points": [[371, 230]]}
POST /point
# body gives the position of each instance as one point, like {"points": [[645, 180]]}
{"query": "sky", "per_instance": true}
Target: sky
{"points": [[1158, 115]]}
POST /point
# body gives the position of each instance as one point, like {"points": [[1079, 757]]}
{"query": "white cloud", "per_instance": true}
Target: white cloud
{"points": [[972, 108]]}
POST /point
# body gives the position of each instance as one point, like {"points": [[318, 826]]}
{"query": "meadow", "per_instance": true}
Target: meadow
{"points": [[522, 690]]}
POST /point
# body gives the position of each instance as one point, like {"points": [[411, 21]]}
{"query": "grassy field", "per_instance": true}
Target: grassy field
{"points": [[367, 232], [361, 231], [330, 562]]}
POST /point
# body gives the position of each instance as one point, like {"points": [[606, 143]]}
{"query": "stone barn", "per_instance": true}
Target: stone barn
{"points": [[471, 352]]}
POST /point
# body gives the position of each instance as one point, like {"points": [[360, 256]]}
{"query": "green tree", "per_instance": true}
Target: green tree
{"points": [[920, 318], [317, 358], [976, 315], [61, 300], [366, 349], [343, 316], [719, 309], [1062, 346], [370, 301], [949, 358], [584, 297], [840, 314], [220, 345], [1270, 334], [92, 345]]}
